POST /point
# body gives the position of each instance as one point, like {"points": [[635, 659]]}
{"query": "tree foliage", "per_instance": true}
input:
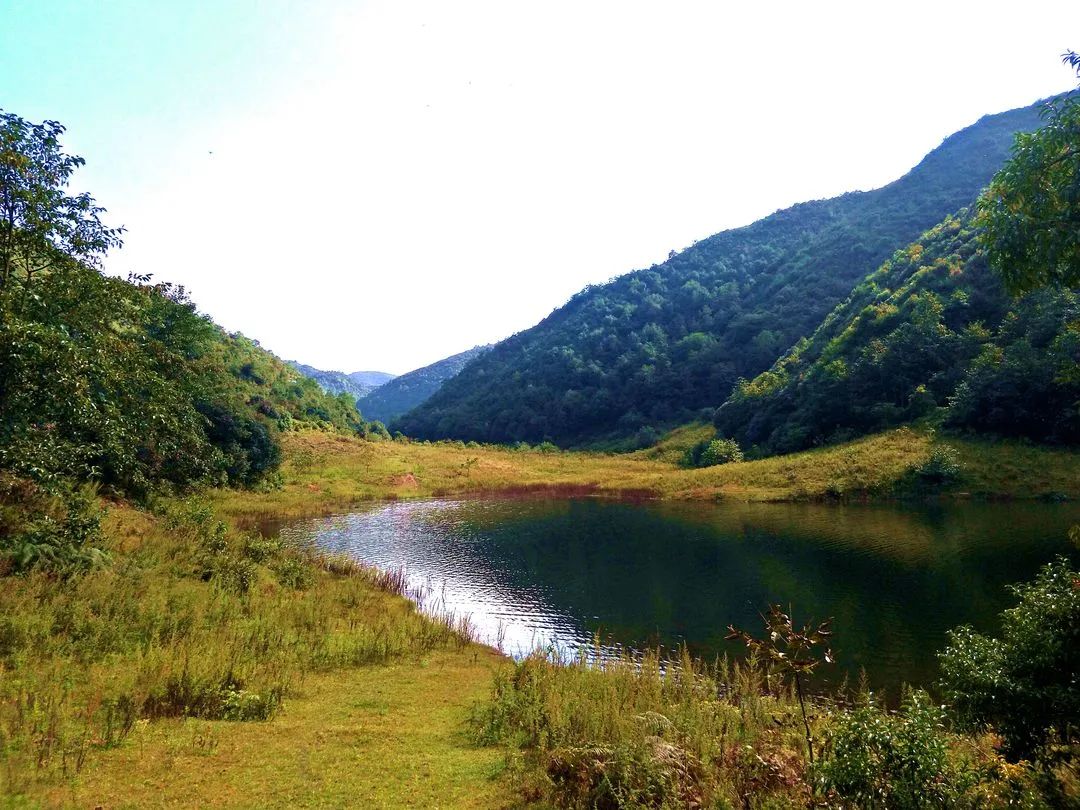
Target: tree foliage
{"points": [[1024, 683], [40, 223], [930, 334], [1031, 211]]}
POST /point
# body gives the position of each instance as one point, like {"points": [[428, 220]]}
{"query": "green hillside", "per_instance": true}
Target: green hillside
{"points": [[931, 334], [125, 383], [401, 394], [655, 347], [357, 384], [122, 384]]}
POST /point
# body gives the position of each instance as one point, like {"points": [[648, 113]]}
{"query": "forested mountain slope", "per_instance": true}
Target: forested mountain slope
{"points": [[126, 384], [656, 346], [356, 384], [930, 332], [402, 394]]}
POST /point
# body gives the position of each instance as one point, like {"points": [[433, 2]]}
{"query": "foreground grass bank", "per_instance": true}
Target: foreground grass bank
{"points": [[196, 665], [326, 472]]}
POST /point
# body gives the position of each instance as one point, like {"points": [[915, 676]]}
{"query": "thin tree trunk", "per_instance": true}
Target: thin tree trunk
{"points": [[806, 722]]}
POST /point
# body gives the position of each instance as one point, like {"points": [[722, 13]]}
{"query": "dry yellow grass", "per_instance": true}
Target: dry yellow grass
{"points": [[325, 473]]}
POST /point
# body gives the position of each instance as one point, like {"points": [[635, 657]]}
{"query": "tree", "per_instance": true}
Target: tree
{"points": [[1023, 684], [41, 224], [791, 651], [1031, 211]]}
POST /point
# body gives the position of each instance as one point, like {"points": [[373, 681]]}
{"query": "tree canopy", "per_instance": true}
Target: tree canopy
{"points": [[1031, 211], [40, 223]]}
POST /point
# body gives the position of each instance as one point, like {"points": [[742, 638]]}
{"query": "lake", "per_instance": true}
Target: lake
{"points": [[894, 578]]}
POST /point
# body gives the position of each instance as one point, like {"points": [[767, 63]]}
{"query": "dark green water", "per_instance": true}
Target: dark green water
{"points": [[893, 578]]}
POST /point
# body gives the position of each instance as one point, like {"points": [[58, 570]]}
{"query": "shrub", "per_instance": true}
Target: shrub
{"points": [[248, 449], [942, 466], [646, 437], [377, 430], [59, 533], [1023, 684], [293, 571], [881, 759], [720, 451], [652, 773]]}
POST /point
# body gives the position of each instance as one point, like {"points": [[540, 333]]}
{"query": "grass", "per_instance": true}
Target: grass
{"points": [[326, 473], [206, 665], [200, 655], [377, 736]]}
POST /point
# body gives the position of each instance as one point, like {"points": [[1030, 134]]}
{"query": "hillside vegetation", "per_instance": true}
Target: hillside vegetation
{"points": [[401, 394], [931, 334], [126, 384], [656, 346]]}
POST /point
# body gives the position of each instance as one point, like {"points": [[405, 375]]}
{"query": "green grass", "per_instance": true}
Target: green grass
{"points": [[377, 736], [126, 678], [326, 473]]}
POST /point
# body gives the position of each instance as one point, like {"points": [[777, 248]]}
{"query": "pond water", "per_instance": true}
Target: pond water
{"points": [[528, 573]]}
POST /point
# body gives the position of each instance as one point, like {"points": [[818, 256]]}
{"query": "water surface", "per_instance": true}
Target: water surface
{"points": [[537, 572]]}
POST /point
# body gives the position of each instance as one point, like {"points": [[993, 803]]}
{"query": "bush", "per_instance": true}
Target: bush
{"points": [[646, 437], [941, 467], [720, 451], [59, 533], [653, 773], [248, 448], [880, 759], [1023, 684]]}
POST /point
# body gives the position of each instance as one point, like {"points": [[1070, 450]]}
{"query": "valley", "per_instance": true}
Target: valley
{"points": [[786, 520]]}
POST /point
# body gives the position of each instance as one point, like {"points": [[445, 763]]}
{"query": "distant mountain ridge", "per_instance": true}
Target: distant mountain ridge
{"points": [[357, 384], [661, 346], [402, 394]]}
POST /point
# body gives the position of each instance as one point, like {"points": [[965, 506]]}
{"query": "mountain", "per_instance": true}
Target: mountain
{"points": [[667, 344], [402, 394], [356, 384], [930, 333], [371, 379]]}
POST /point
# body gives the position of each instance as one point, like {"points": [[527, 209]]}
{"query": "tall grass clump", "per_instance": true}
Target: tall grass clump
{"points": [[650, 731], [667, 732]]}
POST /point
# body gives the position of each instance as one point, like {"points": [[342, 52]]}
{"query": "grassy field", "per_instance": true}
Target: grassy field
{"points": [[204, 666], [325, 472]]}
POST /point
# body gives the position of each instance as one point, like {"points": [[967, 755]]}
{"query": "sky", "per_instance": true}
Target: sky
{"points": [[378, 185]]}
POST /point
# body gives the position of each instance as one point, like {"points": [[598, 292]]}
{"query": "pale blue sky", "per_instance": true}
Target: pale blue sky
{"points": [[377, 185]]}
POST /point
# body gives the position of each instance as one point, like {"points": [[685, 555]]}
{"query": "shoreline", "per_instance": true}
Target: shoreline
{"points": [[325, 473]]}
